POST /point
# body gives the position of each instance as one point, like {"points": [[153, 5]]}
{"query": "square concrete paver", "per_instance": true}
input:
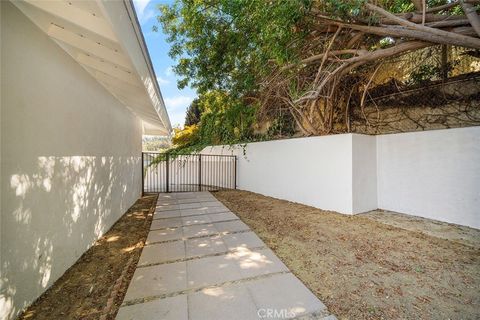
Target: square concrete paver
{"points": [[205, 246], [217, 209], [164, 235], [190, 220], [166, 202], [202, 200], [254, 263], [211, 271], [157, 280], [199, 230], [186, 195], [193, 212], [205, 194], [284, 292], [183, 201], [236, 241], [171, 308], [224, 216], [193, 205], [231, 226], [162, 252], [169, 207], [231, 302], [166, 223], [166, 214], [166, 196], [214, 203]]}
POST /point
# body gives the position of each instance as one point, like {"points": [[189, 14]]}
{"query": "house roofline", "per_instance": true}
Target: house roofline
{"points": [[146, 55]]}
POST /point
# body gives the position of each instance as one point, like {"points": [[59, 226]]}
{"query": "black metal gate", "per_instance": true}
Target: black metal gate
{"points": [[163, 172]]}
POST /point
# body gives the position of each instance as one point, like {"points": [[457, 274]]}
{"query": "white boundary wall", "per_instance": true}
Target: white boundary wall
{"points": [[316, 171], [432, 174]]}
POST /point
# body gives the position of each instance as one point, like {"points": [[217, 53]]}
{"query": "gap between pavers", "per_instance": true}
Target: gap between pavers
{"points": [[257, 298], [173, 251], [196, 267]]}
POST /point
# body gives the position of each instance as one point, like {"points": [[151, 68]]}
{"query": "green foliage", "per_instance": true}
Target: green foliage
{"points": [[283, 125], [229, 44], [430, 72], [424, 73], [185, 141], [193, 113], [185, 137], [225, 119], [345, 10]]}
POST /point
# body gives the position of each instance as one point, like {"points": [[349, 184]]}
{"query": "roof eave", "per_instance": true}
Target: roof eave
{"points": [[126, 26]]}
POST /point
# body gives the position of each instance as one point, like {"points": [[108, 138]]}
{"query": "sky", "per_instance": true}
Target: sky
{"points": [[176, 100]]}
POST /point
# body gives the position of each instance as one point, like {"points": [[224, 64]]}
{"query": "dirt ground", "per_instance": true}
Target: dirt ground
{"points": [[461, 234], [96, 284], [362, 268]]}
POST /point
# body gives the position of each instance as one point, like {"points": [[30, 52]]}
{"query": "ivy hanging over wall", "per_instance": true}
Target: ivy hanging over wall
{"points": [[224, 120]]}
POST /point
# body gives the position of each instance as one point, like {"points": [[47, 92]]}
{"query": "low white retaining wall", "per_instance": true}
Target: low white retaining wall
{"points": [[433, 174], [316, 171]]}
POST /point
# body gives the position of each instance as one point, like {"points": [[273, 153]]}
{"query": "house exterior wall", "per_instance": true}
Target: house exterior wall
{"points": [[431, 174], [70, 161]]}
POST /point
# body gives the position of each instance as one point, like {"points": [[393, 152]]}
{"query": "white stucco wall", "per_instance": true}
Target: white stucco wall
{"points": [[364, 173], [70, 161], [432, 174], [316, 171]]}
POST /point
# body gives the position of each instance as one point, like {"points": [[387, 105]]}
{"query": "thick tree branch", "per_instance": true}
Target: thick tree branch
{"points": [[472, 16], [389, 52], [449, 23], [436, 34], [320, 56], [417, 18]]}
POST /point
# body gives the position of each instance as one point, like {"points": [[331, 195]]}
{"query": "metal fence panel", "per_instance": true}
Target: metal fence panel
{"points": [[164, 172]]}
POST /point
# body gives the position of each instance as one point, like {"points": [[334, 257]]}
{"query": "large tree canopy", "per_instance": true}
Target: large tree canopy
{"points": [[227, 45], [312, 58]]}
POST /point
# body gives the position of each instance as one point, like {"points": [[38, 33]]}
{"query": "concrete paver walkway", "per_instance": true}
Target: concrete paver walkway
{"points": [[201, 262]]}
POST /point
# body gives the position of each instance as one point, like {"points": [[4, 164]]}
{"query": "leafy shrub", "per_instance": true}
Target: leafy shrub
{"points": [[185, 137], [225, 120]]}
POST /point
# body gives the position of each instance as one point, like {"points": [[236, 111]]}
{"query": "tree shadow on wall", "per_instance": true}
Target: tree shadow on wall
{"points": [[54, 213]]}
